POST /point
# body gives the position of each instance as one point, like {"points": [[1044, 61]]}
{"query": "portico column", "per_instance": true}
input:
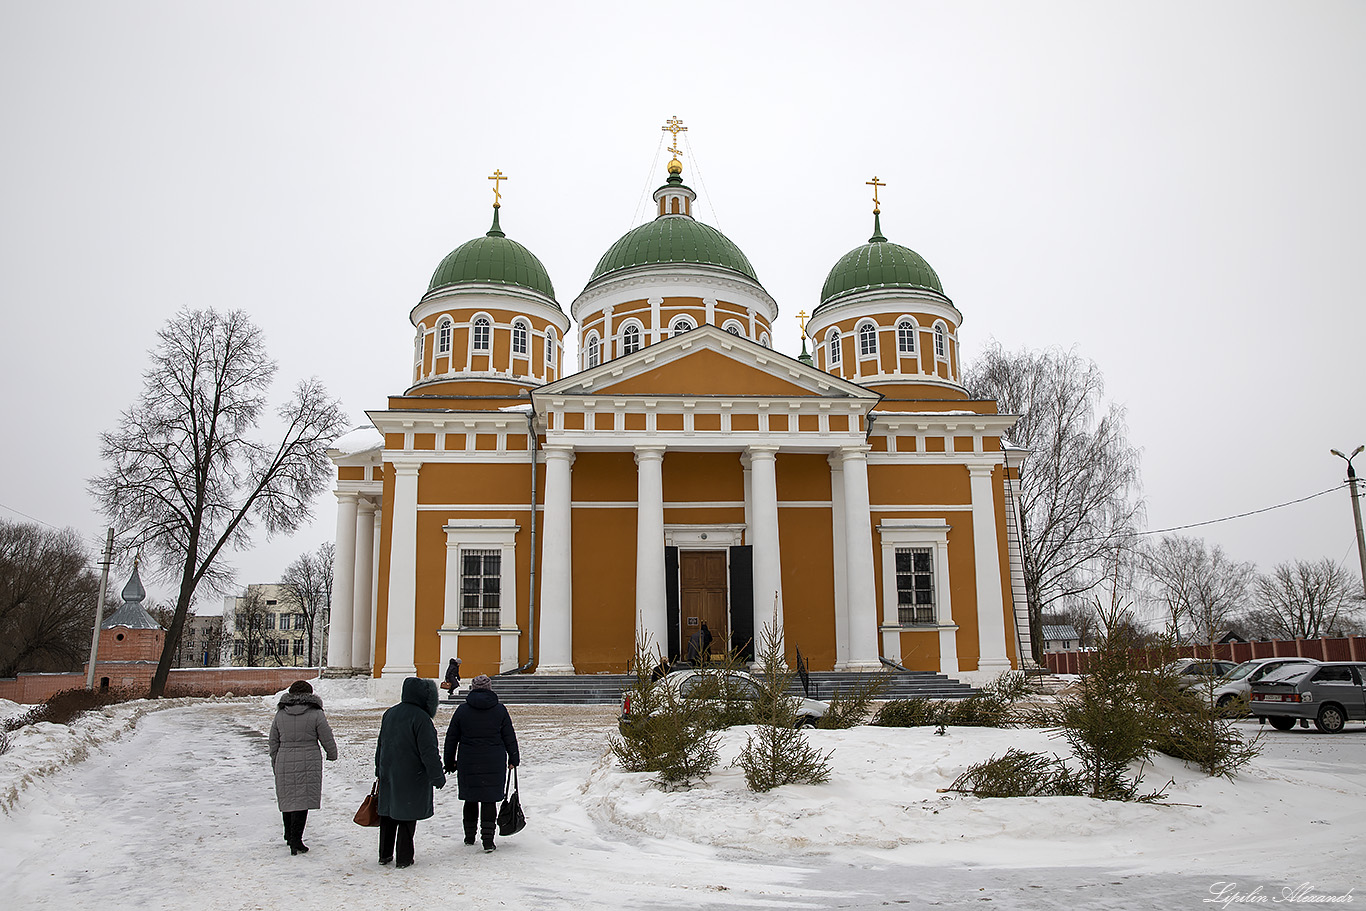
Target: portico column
{"points": [[365, 560], [342, 610], [400, 631], [557, 626], [841, 565], [652, 616], [763, 531], [991, 623], [858, 548]]}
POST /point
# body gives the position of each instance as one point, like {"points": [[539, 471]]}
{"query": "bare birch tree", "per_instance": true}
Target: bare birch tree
{"points": [[1200, 588], [1079, 487], [47, 599], [308, 583], [1306, 598], [185, 477]]}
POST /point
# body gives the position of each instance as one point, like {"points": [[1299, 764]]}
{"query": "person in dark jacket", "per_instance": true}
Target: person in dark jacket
{"points": [[453, 677], [480, 747], [408, 766], [299, 728]]}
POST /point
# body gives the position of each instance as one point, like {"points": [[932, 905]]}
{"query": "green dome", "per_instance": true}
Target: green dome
{"points": [[879, 264], [495, 260], [673, 239]]}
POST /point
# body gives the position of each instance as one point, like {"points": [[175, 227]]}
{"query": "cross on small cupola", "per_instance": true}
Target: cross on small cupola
{"points": [[497, 177], [674, 198], [877, 237]]}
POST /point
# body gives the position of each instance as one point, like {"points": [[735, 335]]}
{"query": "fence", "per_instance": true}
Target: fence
{"points": [[190, 681], [1349, 648]]}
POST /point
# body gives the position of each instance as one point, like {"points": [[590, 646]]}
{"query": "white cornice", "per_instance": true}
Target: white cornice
{"points": [[883, 301], [471, 296], [672, 280]]}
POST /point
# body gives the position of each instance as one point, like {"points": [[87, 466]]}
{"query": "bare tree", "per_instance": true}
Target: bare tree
{"points": [[1200, 588], [1079, 488], [308, 584], [47, 599], [1306, 598], [253, 627], [185, 477]]}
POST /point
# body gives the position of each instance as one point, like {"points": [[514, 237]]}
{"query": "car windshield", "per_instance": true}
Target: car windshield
{"points": [[1242, 670], [1287, 673]]}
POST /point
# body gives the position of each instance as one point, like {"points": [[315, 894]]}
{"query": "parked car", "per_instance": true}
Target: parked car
{"points": [[695, 684], [1237, 683], [1192, 672], [1330, 694]]}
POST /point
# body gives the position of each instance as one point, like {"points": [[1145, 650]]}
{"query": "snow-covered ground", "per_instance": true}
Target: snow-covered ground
{"points": [[174, 809]]}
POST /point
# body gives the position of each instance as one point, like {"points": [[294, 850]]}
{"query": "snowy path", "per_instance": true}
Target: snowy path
{"points": [[180, 814]]}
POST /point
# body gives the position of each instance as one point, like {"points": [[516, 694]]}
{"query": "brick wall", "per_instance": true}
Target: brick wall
{"points": [[136, 676]]}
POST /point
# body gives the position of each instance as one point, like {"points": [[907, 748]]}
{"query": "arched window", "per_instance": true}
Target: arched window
{"points": [[519, 337], [734, 328], [763, 339], [593, 349], [867, 340], [941, 346], [833, 351], [481, 334], [681, 325], [630, 339], [905, 337], [443, 337], [418, 344], [550, 345]]}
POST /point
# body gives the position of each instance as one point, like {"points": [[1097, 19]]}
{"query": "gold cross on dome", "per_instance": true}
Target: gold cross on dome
{"points": [[875, 183], [675, 126], [801, 320], [497, 176]]}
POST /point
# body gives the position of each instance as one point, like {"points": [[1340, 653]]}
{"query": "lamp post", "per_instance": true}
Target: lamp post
{"points": [[1356, 505]]}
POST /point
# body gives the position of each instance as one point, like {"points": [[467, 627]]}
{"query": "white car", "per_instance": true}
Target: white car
{"points": [[693, 684], [1237, 683]]}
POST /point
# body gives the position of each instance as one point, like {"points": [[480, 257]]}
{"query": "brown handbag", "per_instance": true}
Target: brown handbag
{"points": [[368, 814]]}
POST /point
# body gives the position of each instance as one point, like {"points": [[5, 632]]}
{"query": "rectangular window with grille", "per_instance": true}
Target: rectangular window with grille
{"points": [[915, 585], [298, 648], [480, 588]]}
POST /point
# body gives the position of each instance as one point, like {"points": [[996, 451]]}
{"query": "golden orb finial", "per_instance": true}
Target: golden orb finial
{"points": [[675, 166]]}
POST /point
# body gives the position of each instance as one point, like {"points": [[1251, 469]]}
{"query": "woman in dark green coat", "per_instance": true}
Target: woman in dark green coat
{"points": [[408, 766]]}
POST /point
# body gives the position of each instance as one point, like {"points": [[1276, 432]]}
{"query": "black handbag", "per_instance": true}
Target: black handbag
{"points": [[510, 818]]}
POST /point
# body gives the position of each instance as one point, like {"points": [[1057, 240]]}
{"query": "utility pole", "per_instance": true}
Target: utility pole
{"points": [[1356, 507], [99, 608]]}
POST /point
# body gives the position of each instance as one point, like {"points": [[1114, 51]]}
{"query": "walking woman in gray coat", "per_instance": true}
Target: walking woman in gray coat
{"points": [[408, 766], [480, 746], [300, 727]]}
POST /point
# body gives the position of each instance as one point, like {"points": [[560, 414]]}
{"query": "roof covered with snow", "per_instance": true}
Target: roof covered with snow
{"points": [[354, 442]]}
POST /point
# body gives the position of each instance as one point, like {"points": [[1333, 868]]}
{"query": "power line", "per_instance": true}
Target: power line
{"points": [[32, 518], [1241, 515]]}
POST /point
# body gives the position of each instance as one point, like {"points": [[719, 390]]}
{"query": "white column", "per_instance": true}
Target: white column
{"points": [[858, 549], [342, 610], [374, 587], [991, 620], [763, 533], [841, 562], [557, 622], [652, 618], [365, 561], [400, 631]]}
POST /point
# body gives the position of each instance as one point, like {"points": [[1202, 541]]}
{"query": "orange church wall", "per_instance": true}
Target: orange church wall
{"points": [[808, 576], [742, 423], [808, 423], [604, 588], [605, 476], [393, 441], [777, 423], [478, 655], [704, 423], [461, 395], [962, 444], [709, 373], [702, 476], [430, 592], [635, 420], [928, 484], [669, 421], [920, 650], [934, 444], [704, 515], [351, 473], [803, 476], [386, 538], [905, 444], [485, 482], [424, 441]]}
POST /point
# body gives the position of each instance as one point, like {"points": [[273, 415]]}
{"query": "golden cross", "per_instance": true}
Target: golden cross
{"points": [[675, 126], [801, 320], [875, 183], [496, 176]]}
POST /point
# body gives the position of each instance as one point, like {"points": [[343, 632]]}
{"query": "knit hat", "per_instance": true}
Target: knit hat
{"points": [[482, 682], [300, 687]]}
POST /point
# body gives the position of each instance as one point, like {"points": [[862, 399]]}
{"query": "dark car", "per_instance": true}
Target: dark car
{"points": [[1193, 672], [1329, 694]]}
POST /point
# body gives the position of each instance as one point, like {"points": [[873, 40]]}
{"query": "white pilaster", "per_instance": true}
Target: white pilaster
{"points": [[400, 631], [991, 620], [860, 584], [763, 532], [841, 562], [556, 639], [652, 618], [365, 561], [342, 611]]}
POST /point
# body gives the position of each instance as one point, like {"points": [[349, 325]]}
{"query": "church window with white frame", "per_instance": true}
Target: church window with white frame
{"points": [[593, 350], [915, 585], [833, 348], [443, 337], [630, 339], [418, 344], [867, 340], [905, 337], [941, 347], [481, 334], [481, 579], [763, 339], [550, 346], [734, 328], [681, 325], [520, 335]]}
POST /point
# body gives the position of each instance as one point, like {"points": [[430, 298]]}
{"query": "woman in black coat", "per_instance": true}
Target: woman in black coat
{"points": [[408, 766], [480, 746]]}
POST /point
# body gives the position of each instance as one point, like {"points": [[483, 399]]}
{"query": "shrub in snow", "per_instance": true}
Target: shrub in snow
{"points": [[993, 706], [1020, 774], [667, 734], [61, 708], [850, 707], [778, 753]]}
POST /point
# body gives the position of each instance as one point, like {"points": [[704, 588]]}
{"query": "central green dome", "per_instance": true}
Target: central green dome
{"points": [[879, 264], [493, 259], [673, 239]]}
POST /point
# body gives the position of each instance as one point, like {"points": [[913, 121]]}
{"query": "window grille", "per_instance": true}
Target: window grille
{"points": [[481, 334], [481, 588], [905, 337], [630, 340], [940, 348], [682, 325], [867, 341], [834, 356], [915, 585], [443, 338], [550, 346], [594, 350], [519, 338]]}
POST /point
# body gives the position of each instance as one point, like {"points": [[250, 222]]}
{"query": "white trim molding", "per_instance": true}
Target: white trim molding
{"points": [[934, 534]]}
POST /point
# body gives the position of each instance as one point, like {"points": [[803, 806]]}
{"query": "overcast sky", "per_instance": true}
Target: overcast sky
{"points": [[1175, 190]]}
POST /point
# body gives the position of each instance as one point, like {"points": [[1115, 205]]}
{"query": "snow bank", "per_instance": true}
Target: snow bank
{"points": [[344, 693]]}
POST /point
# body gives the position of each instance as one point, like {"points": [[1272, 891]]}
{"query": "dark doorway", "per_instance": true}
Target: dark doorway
{"points": [[702, 595]]}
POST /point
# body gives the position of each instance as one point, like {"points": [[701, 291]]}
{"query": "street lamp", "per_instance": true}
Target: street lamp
{"points": [[1356, 505]]}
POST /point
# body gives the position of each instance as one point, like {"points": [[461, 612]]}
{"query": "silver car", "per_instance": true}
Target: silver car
{"points": [[1237, 683], [693, 684], [1330, 694], [1198, 672]]}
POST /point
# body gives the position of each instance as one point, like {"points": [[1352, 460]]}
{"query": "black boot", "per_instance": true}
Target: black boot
{"points": [[300, 820], [289, 825]]}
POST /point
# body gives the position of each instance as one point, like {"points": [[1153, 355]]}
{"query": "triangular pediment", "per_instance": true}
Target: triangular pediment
{"points": [[706, 361]]}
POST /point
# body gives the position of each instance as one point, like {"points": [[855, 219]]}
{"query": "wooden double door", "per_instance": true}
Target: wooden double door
{"points": [[702, 596]]}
